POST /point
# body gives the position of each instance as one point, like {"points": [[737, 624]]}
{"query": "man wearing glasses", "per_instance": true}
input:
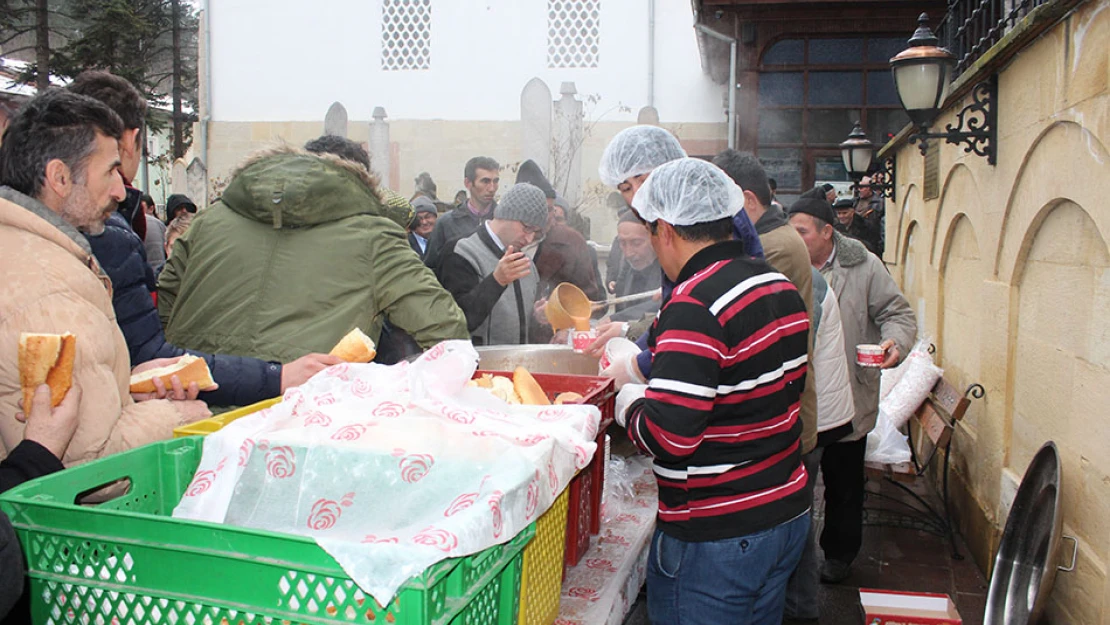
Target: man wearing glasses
{"points": [[494, 282]]}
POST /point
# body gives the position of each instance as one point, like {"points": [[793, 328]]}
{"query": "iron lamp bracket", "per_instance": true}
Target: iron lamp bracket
{"points": [[976, 125]]}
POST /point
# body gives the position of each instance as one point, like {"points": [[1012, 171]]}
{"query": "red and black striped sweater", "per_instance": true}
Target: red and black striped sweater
{"points": [[720, 415]]}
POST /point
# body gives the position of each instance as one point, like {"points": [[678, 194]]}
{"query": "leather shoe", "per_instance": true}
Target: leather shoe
{"points": [[835, 571]]}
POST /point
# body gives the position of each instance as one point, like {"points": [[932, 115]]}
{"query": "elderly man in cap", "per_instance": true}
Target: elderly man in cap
{"points": [[720, 412], [423, 223], [494, 282], [849, 223], [627, 161], [872, 311]]}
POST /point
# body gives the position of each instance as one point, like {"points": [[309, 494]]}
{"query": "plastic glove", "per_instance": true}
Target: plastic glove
{"points": [[624, 370], [628, 394]]}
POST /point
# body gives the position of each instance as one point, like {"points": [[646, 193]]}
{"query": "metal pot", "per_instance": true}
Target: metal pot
{"points": [[1025, 565], [537, 359]]}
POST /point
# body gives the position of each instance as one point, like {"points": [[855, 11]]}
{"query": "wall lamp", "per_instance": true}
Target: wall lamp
{"points": [[858, 152], [922, 76]]}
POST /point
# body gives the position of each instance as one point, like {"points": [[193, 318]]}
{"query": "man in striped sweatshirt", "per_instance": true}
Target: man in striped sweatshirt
{"points": [[720, 412]]}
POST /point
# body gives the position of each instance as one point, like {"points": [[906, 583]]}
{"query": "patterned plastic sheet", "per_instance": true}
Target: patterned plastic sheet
{"points": [[391, 469]]}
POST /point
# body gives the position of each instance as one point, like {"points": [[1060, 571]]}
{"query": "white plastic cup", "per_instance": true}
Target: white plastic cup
{"points": [[582, 339], [870, 355]]}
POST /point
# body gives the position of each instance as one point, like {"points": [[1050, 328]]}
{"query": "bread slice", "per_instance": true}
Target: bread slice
{"points": [[46, 359], [188, 369], [530, 391], [569, 397], [355, 347]]}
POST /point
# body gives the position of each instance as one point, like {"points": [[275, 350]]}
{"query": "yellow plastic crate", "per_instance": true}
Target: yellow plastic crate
{"points": [[213, 424], [541, 583]]}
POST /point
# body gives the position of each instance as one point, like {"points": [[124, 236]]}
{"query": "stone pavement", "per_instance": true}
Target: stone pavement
{"points": [[894, 558]]}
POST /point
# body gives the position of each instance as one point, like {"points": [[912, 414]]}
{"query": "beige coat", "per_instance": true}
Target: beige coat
{"points": [[53, 284]]}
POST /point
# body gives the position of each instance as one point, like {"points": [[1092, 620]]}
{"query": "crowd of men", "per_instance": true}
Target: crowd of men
{"points": [[744, 386]]}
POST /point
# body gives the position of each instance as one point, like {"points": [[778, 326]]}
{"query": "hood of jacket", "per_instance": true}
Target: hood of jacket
{"points": [[849, 252], [292, 188], [773, 217]]}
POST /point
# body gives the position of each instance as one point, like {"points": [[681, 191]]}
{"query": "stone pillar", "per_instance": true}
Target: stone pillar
{"points": [[335, 122], [379, 144], [179, 177], [196, 176], [648, 116], [535, 123], [566, 170]]}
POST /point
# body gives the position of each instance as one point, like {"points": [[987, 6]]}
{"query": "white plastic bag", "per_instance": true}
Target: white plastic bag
{"points": [[916, 377], [885, 444]]}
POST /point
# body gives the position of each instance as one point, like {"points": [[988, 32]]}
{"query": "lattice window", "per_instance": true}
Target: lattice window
{"points": [[406, 34], [573, 33]]}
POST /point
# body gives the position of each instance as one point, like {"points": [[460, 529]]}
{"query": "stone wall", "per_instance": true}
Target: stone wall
{"points": [[1008, 271], [442, 148]]}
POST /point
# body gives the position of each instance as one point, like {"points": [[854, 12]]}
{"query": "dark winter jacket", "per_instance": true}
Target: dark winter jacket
{"points": [[458, 223], [629, 282], [564, 256], [299, 250], [27, 461], [864, 231], [495, 314], [122, 255]]}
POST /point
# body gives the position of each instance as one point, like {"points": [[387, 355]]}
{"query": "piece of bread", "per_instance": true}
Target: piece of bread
{"points": [[569, 397], [355, 347], [188, 369], [46, 359], [503, 388], [530, 391]]}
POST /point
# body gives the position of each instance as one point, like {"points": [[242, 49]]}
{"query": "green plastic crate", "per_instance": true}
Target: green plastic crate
{"points": [[127, 561]]}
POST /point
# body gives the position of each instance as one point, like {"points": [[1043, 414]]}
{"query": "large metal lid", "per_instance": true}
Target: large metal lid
{"points": [[1025, 566]]}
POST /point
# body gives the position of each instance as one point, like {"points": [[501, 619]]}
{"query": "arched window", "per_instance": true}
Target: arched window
{"points": [[811, 91]]}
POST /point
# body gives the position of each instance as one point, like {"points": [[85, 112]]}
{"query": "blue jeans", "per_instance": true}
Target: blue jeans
{"points": [[736, 581]]}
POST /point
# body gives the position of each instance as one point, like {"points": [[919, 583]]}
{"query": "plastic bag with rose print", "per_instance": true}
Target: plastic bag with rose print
{"points": [[391, 469]]}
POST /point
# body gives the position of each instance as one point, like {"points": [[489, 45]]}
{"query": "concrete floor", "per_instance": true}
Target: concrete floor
{"points": [[893, 558]]}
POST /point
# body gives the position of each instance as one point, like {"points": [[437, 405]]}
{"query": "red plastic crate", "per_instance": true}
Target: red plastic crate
{"points": [[600, 392], [582, 507]]}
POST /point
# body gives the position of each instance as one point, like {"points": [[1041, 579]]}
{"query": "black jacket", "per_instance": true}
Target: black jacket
{"points": [[458, 223], [415, 245], [27, 461], [123, 257]]}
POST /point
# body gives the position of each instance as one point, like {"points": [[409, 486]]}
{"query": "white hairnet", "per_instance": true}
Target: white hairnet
{"points": [[686, 192], [637, 150]]}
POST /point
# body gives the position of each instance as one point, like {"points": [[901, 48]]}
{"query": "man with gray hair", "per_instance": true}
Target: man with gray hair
{"points": [[873, 311], [494, 282], [720, 413]]}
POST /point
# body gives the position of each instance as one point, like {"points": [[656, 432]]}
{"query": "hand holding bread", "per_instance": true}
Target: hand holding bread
{"points": [[46, 359], [180, 379], [51, 427]]}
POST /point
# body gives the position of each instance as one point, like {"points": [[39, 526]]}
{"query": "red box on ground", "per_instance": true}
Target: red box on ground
{"points": [[888, 607]]}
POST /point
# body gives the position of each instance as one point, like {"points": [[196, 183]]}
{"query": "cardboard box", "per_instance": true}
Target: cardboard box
{"points": [[887, 607]]}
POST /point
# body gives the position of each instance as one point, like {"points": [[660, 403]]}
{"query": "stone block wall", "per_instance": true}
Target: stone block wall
{"points": [[1009, 271]]}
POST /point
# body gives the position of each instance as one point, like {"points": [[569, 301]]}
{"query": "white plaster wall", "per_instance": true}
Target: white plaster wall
{"points": [[288, 60]]}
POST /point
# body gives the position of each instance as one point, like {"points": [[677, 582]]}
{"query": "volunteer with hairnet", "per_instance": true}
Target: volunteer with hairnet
{"points": [[720, 411], [627, 161]]}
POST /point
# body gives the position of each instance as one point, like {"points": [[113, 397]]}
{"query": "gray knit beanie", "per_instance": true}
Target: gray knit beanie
{"points": [[524, 203]]}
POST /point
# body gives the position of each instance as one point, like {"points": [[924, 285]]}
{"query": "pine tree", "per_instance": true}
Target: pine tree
{"points": [[151, 43]]}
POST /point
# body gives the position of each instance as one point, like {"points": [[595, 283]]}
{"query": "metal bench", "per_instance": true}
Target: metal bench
{"points": [[930, 431]]}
